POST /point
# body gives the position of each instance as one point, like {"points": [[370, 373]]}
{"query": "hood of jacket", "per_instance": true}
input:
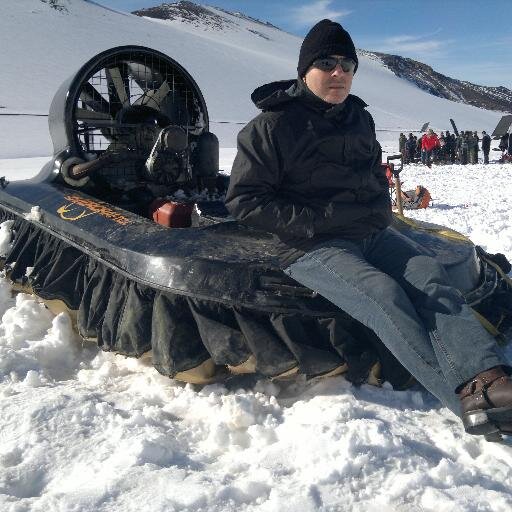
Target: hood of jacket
{"points": [[274, 94]]}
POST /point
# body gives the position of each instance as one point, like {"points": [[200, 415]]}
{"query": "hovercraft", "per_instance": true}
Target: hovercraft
{"points": [[125, 228]]}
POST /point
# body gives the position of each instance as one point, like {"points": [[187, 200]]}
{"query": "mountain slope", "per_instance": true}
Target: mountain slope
{"points": [[227, 64], [192, 13], [422, 75]]}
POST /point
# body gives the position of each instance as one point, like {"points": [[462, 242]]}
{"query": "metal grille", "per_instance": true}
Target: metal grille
{"points": [[127, 99]]}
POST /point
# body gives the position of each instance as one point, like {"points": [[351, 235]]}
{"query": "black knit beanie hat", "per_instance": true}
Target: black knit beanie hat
{"points": [[325, 38]]}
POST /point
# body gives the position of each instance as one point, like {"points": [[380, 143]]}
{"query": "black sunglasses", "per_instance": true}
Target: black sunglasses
{"points": [[329, 63]]}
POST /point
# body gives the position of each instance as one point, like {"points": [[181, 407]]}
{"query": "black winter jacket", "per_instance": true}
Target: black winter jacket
{"points": [[308, 171], [486, 143]]}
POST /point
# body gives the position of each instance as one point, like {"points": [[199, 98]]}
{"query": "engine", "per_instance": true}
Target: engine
{"points": [[131, 126]]}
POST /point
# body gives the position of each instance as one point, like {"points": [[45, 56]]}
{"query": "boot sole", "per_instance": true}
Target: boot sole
{"points": [[485, 422], [478, 423], [500, 414]]}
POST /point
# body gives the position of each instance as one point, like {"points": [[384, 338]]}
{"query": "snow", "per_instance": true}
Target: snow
{"points": [[5, 237], [34, 214], [478, 205], [83, 430], [86, 430]]}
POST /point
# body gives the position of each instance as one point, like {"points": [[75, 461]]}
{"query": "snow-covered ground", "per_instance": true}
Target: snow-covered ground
{"points": [[82, 430]]}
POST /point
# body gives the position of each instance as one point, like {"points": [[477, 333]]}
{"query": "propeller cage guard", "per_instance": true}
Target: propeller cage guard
{"points": [[119, 100]]}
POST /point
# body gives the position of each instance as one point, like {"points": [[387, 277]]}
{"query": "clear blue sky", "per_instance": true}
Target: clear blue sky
{"points": [[465, 39]]}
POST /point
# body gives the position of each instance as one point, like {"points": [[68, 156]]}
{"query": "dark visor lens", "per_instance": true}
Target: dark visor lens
{"points": [[329, 63]]}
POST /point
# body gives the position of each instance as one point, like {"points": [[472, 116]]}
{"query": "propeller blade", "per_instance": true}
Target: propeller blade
{"points": [[118, 85], [83, 114], [93, 99], [145, 77], [160, 94], [155, 97]]}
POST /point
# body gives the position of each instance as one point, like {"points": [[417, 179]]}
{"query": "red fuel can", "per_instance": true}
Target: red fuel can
{"points": [[171, 213]]}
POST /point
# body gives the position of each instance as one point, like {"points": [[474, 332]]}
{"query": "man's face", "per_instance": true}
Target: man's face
{"points": [[331, 86]]}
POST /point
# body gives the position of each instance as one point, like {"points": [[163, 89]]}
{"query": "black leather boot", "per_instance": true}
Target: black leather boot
{"points": [[486, 402]]}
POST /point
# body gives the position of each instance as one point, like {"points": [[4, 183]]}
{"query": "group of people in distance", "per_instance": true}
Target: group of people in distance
{"points": [[447, 148]]}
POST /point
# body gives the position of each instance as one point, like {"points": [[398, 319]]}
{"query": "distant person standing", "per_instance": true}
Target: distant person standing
{"points": [[503, 145], [458, 147], [441, 152], [401, 144], [450, 146], [486, 146], [429, 142], [410, 148], [473, 148], [464, 148]]}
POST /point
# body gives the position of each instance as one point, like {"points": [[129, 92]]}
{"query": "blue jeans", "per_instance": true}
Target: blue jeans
{"points": [[393, 286], [427, 156]]}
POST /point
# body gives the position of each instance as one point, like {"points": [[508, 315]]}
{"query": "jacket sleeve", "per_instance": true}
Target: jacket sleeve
{"points": [[253, 196]]}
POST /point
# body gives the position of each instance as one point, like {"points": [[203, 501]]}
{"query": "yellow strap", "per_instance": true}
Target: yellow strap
{"points": [[450, 233], [490, 328], [502, 317], [443, 231]]}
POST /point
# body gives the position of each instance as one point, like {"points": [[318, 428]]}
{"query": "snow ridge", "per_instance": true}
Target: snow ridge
{"points": [[492, 98], [227, 65]]}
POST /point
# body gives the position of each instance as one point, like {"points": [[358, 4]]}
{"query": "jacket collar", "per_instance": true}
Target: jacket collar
{"points": [[273, 94]]}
